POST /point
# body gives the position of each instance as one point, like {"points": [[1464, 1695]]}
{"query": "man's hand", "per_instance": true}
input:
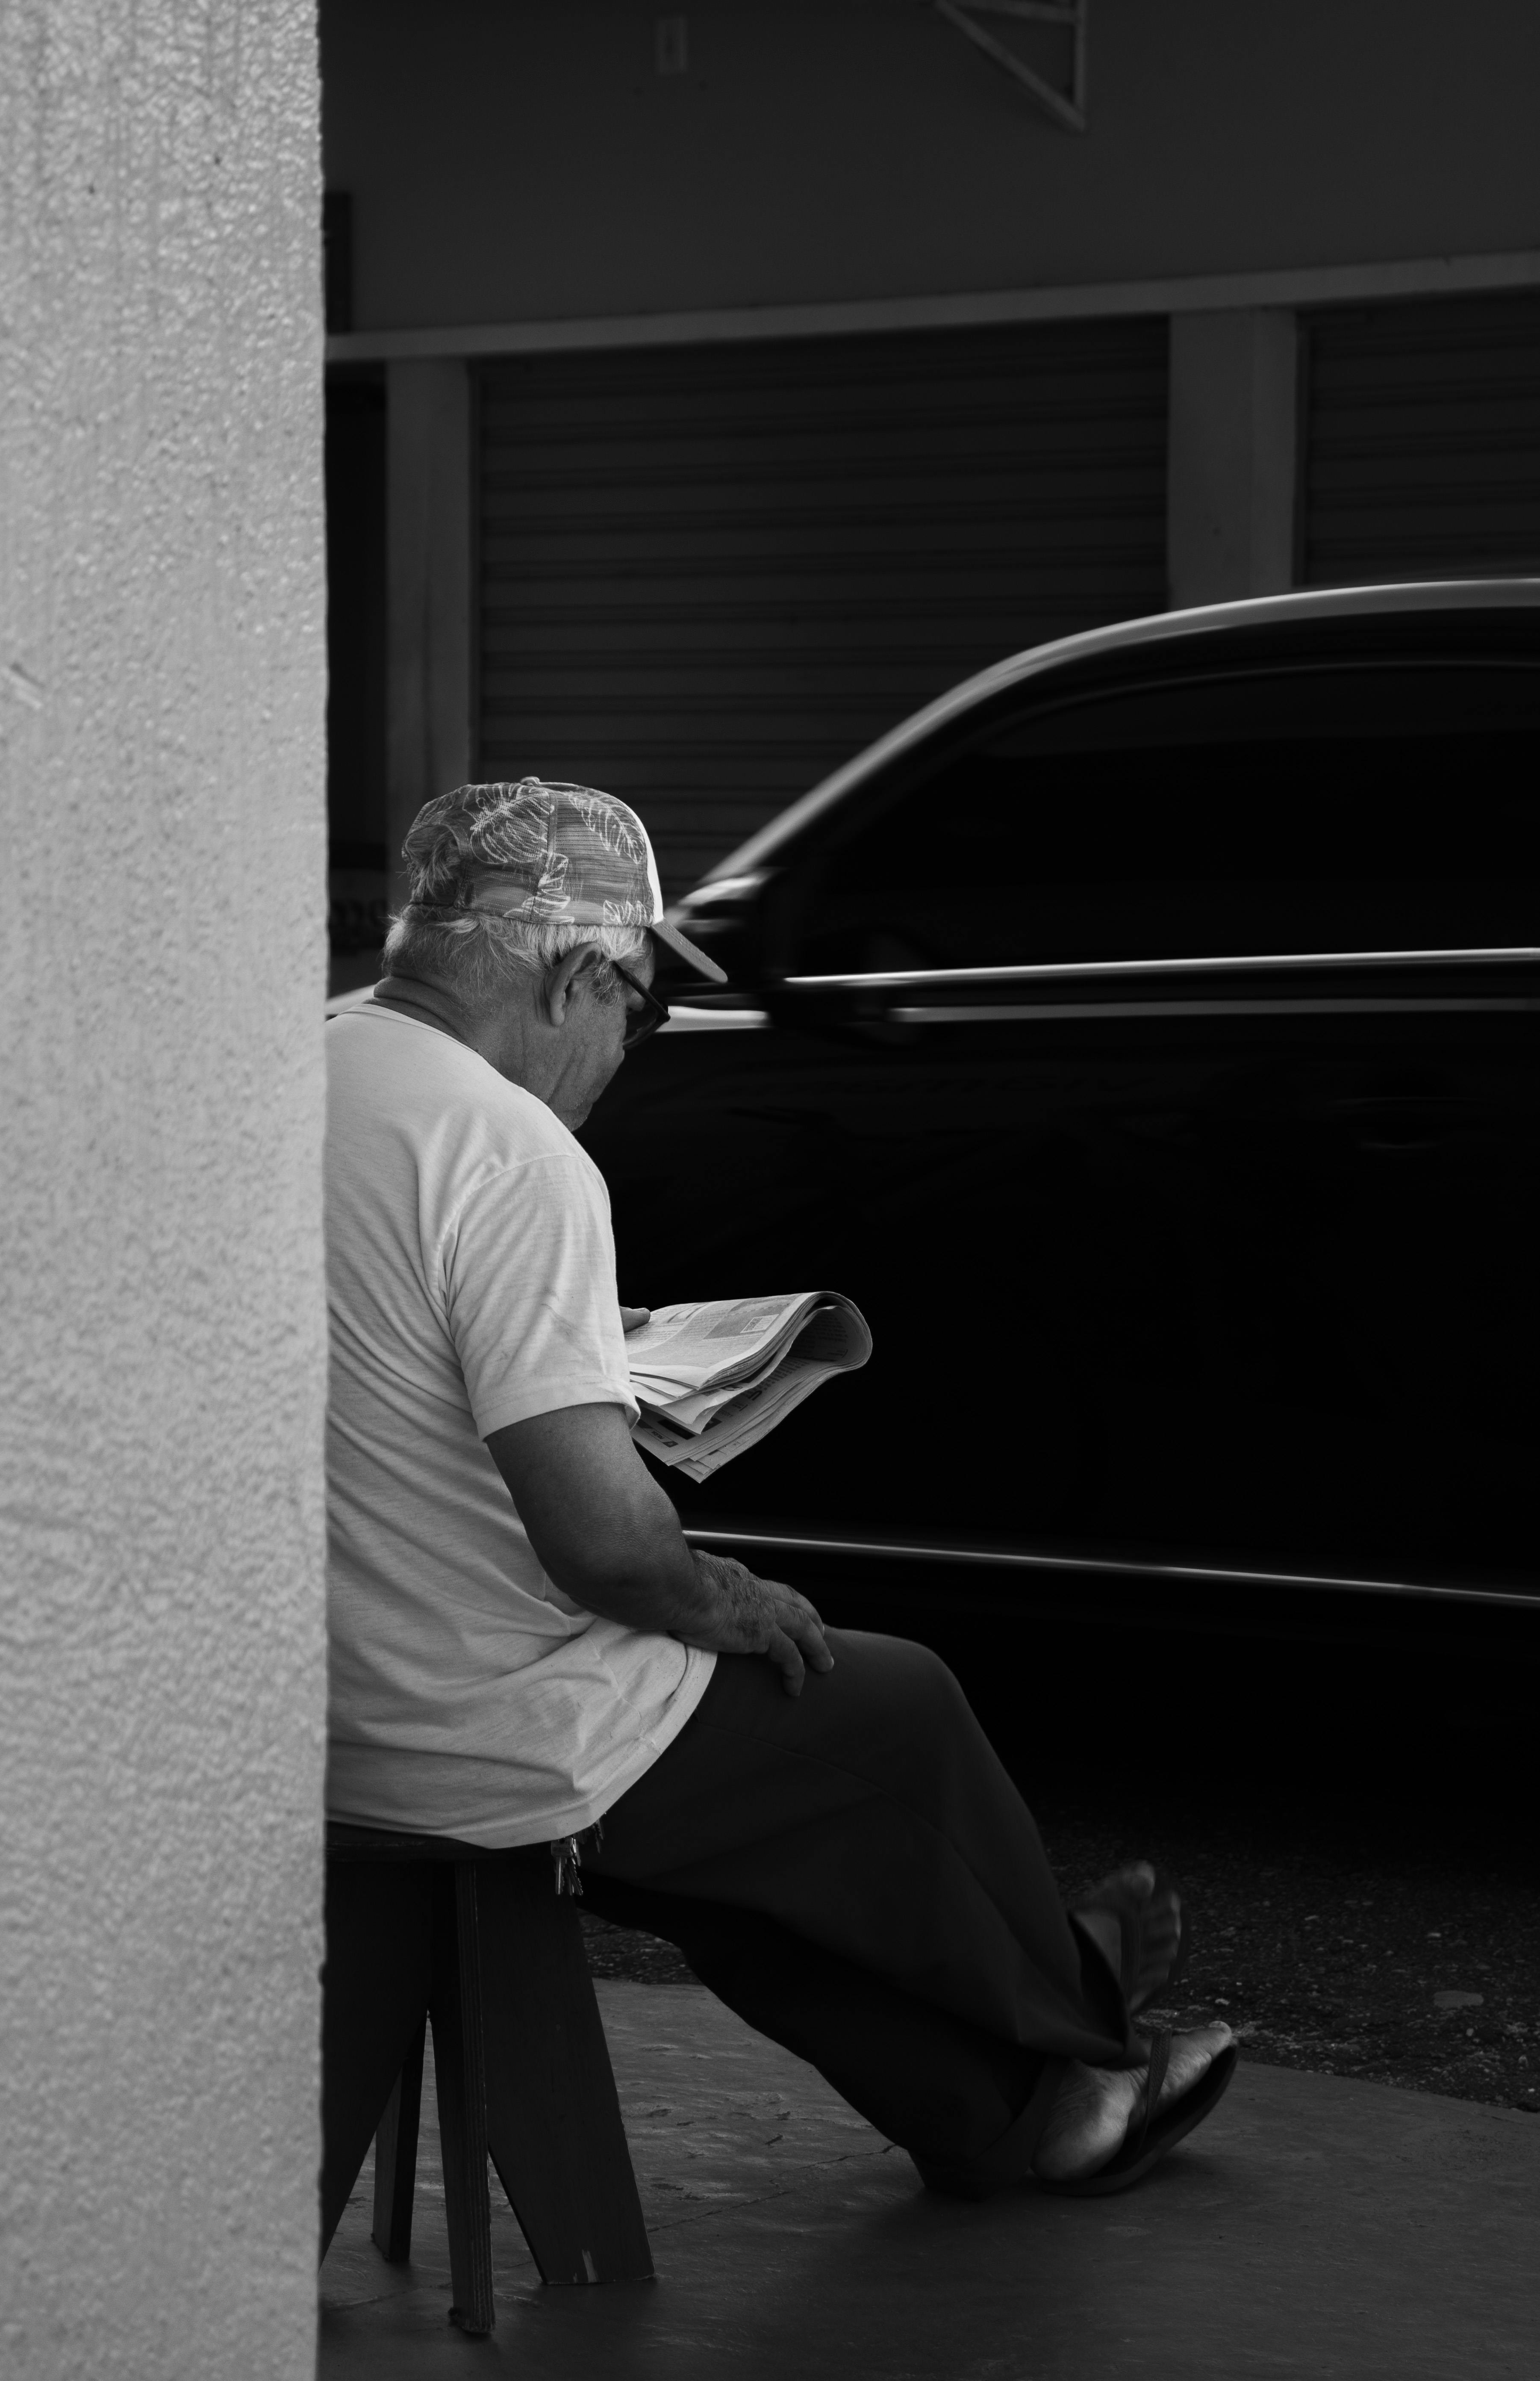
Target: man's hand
{"points": [[606, 1533], [632, 1317], [759, 1616]]}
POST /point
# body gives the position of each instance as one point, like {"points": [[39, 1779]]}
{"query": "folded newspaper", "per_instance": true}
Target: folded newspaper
{"points": [[713, 1379]]}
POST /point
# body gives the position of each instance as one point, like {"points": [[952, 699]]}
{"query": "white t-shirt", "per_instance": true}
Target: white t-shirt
{"points": [[471, 1283]]}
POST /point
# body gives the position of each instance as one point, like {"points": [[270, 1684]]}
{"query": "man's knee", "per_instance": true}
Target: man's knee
{"points": [[902, 1662], [905, 1677]]}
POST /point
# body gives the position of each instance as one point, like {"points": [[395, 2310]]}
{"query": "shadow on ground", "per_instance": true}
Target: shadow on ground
{"points": [[1314, 2227]]}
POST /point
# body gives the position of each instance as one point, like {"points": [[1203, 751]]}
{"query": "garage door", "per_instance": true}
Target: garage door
{"points": [[1422, 440], [708, 575]]}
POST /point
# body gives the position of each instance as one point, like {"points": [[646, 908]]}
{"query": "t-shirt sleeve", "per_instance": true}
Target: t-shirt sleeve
{"points": [[531, 1294]]}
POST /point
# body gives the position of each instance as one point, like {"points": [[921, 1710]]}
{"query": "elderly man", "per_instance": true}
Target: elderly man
{"points": [[524, 1645]]}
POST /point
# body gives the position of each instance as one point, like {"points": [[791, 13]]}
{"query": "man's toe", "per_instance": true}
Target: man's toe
{"points": [[1192, 2055]]}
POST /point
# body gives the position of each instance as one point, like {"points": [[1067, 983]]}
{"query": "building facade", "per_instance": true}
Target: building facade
{"points": [[710, 390]]}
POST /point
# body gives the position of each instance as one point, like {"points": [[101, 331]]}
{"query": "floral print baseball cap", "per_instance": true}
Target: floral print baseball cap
{"points": [[568, 855]]}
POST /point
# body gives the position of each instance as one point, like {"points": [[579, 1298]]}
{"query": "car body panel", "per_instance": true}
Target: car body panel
{"points": [[1211, 1263]]}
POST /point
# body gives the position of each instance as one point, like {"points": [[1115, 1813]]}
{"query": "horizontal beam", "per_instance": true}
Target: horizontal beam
{"points": [[1317, 285]]}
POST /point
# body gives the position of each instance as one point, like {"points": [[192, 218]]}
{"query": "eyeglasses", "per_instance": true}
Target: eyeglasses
{"points": [[643, 1024]]}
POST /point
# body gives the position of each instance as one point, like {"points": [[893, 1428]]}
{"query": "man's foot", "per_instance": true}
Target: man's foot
{"points": [[1090, 2120], [1129, 1895]]}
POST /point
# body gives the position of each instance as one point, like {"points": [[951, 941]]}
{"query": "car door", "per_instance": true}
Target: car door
{"points": [[1154, 1062]]}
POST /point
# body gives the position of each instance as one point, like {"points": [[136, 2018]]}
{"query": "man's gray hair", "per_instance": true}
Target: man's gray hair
{"points": [[479, 955]]}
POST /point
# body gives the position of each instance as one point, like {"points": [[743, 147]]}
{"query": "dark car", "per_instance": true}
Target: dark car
{"points": [[1144, 1035]]}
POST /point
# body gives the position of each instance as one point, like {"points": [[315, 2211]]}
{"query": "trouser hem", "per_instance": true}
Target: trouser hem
{"points": [[1007, 2161]]}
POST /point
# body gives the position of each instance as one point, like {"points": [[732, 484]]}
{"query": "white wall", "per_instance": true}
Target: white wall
{"points": [[522, 160], [161, 1395]]}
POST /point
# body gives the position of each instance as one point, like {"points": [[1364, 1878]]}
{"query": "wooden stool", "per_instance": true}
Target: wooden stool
{"points": [[420, 1929]]}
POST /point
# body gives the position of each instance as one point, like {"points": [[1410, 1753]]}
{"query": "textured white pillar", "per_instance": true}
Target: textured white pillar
{"points": [[1231, 454], [162, 1312], [429, 521]]}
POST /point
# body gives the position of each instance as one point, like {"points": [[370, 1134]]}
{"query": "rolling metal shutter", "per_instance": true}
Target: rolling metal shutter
{"points": [[1421, 441], [708, 575]]}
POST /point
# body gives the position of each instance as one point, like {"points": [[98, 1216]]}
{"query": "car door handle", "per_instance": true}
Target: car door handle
{"points": [[1401, 1123]]}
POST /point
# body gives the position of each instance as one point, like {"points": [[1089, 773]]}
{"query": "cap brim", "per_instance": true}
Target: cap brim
{"points": [[681, 944]]}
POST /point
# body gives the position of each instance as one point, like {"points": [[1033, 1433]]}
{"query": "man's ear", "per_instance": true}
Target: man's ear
{"points": [[559, 980]]}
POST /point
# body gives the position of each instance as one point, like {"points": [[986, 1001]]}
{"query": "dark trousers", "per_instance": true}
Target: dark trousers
{"points": [[854, 1872]]}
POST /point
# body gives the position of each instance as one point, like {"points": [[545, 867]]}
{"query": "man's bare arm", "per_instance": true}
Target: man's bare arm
{"points": [[606, 1533]]}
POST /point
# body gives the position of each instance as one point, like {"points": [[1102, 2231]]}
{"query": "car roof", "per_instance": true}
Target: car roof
{"points": [[1451, 596]]}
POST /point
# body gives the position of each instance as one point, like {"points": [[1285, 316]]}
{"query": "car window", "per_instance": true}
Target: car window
{"points": [[1319, 809]]}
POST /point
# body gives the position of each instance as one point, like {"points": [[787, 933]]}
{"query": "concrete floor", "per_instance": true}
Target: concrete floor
{"points": [[1314, 2226]]}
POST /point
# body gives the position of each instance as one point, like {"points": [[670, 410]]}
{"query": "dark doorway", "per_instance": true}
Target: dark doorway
{"points": [[356, 657]]}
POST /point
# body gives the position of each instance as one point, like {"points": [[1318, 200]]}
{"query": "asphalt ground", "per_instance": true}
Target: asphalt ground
{"points": [[1350, 1816]]}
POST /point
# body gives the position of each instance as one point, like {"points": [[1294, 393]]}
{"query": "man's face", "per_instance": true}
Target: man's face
{"points": [[593, 1033]]}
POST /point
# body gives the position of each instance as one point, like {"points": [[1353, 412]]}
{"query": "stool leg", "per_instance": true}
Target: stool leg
{"points": [[455, 2010], [395, 2159], [553, 2121], [375, 1986]]}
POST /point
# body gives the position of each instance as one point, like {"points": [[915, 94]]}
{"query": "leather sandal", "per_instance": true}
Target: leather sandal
{"points": [[1156, 2130]]}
